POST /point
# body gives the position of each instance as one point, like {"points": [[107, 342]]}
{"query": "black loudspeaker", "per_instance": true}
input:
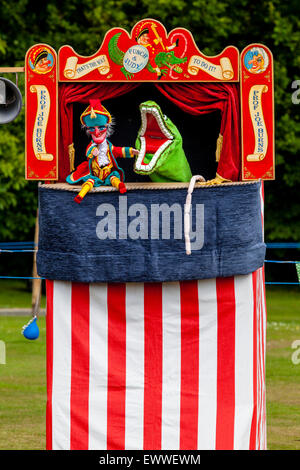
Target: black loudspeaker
{"points": [[10, 101]]}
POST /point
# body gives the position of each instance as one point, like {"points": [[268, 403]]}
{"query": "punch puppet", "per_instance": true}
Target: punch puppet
{"points": [[101, 167]]}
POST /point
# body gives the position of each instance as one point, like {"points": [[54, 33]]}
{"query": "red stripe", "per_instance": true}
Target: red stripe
{"points": [[80, 307], [49, 349], [225, 363], [116, 375], [189, 365], [153, 366], [253, 431]]}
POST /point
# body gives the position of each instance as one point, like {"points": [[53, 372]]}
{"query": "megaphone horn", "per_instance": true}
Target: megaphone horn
{"points": [[10, 101]]}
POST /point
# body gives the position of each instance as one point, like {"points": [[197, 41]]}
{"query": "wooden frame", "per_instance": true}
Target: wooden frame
{"points": [[115, 62]]}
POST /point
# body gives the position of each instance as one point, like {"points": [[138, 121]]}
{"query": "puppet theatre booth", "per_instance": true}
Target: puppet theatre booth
{"points": [[151, 159]]}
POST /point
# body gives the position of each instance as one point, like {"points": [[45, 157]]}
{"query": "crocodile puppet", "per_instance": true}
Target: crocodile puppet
{"points": [[162, 59], [159, 142]]}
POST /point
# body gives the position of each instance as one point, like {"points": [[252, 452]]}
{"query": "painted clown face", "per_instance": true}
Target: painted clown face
{"points": [[98, 133], [257, 63]]}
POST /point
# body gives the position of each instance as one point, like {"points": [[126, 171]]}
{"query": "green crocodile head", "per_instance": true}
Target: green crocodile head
{"points": [[159, 142], [169, 59]]}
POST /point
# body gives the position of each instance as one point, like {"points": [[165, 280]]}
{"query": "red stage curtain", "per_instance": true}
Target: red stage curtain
{"points": [[81, 93], [193, 98], [202, 98]]}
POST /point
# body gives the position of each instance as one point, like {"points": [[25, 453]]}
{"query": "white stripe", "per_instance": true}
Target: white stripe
{"points": [[171, 363], [243, 361], [134, 414], [98, 367], [61, 365], [264, 312], [207, 364]]}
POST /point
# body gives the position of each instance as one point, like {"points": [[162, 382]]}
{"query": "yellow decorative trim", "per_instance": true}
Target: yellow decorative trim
{"points": [[219, 147], [89, 111], [93, 114], [86, 187], [217, 180], [71, 151], [221, 179], [115, 182], [103, 172]]}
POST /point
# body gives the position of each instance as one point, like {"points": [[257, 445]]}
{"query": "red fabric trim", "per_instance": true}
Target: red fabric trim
{"points": [[116, 375], [49, 350], [79, 426], [81, 171], [116, 166], [118, 152], [189, 365], [226, 364], [253, 433], [153, 366]]}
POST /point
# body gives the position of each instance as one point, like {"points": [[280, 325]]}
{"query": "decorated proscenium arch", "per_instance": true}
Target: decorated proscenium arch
{"points": [[172, 61], [149, 54]]}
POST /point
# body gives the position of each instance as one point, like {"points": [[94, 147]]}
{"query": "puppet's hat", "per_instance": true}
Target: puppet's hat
{"points": [[39, 53], [95, 115], [142, 29]]}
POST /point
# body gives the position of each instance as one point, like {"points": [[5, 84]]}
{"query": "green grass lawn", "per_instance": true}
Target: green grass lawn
{"points": [[283, 377], [14, 293], [23, 383], [22, 387]]}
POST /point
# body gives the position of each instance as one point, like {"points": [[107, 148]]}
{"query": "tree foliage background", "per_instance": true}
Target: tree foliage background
{"points": [[214, 24]]}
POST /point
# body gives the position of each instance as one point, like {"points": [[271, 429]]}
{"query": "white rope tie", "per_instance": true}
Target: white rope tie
{"points": [[187, 209]]}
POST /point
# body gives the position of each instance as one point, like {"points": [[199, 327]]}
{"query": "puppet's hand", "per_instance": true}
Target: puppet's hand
{"points": [[135, 152], [95, 152]]}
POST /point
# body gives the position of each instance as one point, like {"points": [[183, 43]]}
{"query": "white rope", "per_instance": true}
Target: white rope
{"points": [[187, 210]]}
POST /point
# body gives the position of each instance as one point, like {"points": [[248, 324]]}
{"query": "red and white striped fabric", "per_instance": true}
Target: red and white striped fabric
{"points": [[177, 365]]}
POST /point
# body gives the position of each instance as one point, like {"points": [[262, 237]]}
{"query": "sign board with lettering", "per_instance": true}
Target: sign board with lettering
{"points": [[257, 111], [41, 148], [149, 54]]}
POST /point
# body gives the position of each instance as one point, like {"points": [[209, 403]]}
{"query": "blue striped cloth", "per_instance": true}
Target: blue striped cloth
{"points": [[139, 236]]}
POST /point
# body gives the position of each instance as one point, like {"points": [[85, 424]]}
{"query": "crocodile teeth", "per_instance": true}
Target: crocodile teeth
{"points": [[165, 132]]}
